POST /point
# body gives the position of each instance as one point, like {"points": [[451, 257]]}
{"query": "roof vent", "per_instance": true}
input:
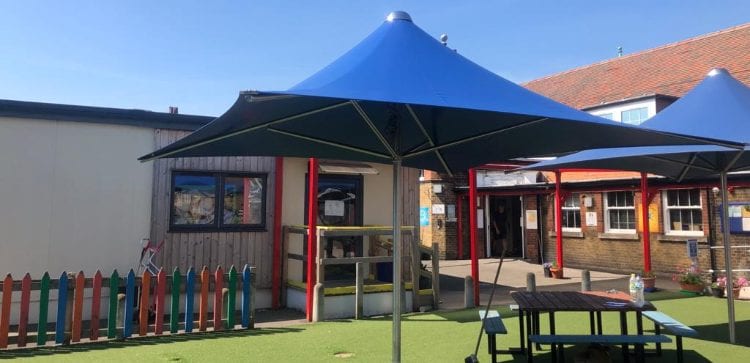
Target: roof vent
{"points": [[398, 15], [717, 71], [173, 110]]}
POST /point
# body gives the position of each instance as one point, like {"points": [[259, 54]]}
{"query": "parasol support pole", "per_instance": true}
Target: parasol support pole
{"points": [[473, 232], [396, 355], [646, 224], [727, 251]]}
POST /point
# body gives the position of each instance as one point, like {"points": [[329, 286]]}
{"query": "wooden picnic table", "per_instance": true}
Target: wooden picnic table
{"points": [[530, 304]]}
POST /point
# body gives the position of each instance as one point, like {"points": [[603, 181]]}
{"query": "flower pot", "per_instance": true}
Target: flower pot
{"points": [[693, 288], [557, 273], [717, 291], [735, 292], [649, 284], [547, 273]]}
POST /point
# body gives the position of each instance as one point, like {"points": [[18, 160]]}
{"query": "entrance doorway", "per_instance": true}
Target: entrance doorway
{"points": [[505, 226], [340, 203]]}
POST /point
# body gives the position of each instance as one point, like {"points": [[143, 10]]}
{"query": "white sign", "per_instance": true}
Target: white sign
{"points": [[438, 209], [531, 219], [334, 208], [437, 188], [591, 219], [480, 218]]}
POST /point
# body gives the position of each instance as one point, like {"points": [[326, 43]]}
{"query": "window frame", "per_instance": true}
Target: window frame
{"points": [[607, 208], [218, 223], [666, 209], [639, 109], [564, 208]]}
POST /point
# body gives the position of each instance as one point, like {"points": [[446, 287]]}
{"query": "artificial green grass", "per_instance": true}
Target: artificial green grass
{"points": [[429, 337]]}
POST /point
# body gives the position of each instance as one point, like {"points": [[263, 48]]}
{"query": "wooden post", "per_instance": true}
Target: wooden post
{"points": [[435, 276], [530, 282], [459, 227], [96, 300], [646, 225], [416, 263], [77, 320], [319, 307], [5, 312], [469, 293], [359, 291], [144, 304]]}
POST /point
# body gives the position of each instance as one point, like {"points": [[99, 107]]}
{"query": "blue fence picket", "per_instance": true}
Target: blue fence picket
{"points": [[189, 288], [246, 278], [62, 302], [127, 323]]}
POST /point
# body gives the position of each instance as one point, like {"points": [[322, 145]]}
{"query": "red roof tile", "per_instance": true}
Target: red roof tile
{"points": [[671, 69]]}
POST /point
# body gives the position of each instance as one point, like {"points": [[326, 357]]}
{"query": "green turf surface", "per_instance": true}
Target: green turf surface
{"points": [[430, 337]]}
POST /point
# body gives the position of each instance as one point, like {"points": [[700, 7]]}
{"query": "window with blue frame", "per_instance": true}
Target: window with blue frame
{"points": [[634, 116]]}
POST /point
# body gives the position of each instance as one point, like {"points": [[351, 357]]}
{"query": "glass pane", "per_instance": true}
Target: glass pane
{"points": [[243, 200], [194, 199]]}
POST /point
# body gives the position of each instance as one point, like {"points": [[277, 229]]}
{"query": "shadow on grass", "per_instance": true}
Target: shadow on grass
{"points": [[720, 332], [615, 353], [136, 342]]}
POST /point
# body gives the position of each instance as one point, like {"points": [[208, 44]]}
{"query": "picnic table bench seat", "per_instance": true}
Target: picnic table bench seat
{"points": [[678, 329], [493, 325], [560, 339]]}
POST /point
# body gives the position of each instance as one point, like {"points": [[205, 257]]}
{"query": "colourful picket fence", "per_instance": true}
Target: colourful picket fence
{"points": [[136, 308]]}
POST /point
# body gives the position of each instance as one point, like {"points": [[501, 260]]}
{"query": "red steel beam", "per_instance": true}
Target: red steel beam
{"points": [[473, 232], [312, 232]]}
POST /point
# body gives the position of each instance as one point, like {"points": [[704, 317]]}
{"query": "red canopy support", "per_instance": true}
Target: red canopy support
{"points": [[278, 189], [312, 232], [558, 218], [459, 227], [473, 232], [645, 201]]}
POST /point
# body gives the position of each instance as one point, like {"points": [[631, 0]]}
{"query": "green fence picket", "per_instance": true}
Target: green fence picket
{"points": [[174, 313], [231, 297], [41, 330], [114, 286]]}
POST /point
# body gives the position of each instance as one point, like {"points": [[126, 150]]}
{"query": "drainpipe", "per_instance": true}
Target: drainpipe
{"points": [[646, 226], [558, 218]]}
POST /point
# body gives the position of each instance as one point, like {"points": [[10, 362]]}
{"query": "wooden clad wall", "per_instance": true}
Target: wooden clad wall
{"points": [[186, 249]]}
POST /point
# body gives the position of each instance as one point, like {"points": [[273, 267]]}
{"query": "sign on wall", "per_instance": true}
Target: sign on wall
{"points": [[653, 218], [591, 219], [480, 218], [450, 212], [334, 208], [438, 209], [424, 216], [692, 248], [531, 219]]}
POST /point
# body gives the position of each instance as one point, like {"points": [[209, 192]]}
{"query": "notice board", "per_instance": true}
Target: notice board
{"points": [[739, 217]]}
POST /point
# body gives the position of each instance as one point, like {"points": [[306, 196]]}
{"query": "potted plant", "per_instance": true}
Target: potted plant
{"points": [[690, 280], [737, 284], [649, 281], [546, 266], [718, 286], [556, 271]]}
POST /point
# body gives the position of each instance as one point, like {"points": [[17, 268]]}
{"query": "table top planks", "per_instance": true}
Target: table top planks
{"points": [[576, 301]]}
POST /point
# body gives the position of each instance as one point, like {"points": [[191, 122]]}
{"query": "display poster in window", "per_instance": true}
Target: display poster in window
{"points": [[424, 216], [531, 219], [591, 219], [438, 209], [334, 208], [653, 218], [450, 213], [480, 218], [692, 248]]}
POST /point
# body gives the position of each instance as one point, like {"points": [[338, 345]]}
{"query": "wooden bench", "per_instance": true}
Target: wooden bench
{"points": [[637, 340], [493, 325], [678, 329]]}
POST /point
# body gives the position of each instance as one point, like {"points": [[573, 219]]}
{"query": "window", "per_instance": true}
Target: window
{"points": [[635, 116], [571, 213], [619, 212], [217, 201], [682, 212], [607, 115]]}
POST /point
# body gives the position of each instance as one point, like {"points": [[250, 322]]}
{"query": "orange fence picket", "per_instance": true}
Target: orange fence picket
{"points": [[78, 307], [161, 286], [96, 301], [203, 306], [143, 318]]}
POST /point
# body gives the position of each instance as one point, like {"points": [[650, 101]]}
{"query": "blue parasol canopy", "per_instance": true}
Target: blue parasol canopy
{"points": [[402, 97], [718, 107]]}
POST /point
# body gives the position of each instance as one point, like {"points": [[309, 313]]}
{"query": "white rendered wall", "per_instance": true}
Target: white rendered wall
{"points": [[73, 196]]}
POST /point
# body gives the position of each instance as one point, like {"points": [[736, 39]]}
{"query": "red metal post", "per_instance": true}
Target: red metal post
{"points": [[473, 232], [646, 226], [558, 218], [278, 188], [312, 232], [459, 227]]}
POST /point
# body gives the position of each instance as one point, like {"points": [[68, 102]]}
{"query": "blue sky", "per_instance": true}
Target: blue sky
{"points": [[198, 55]]}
